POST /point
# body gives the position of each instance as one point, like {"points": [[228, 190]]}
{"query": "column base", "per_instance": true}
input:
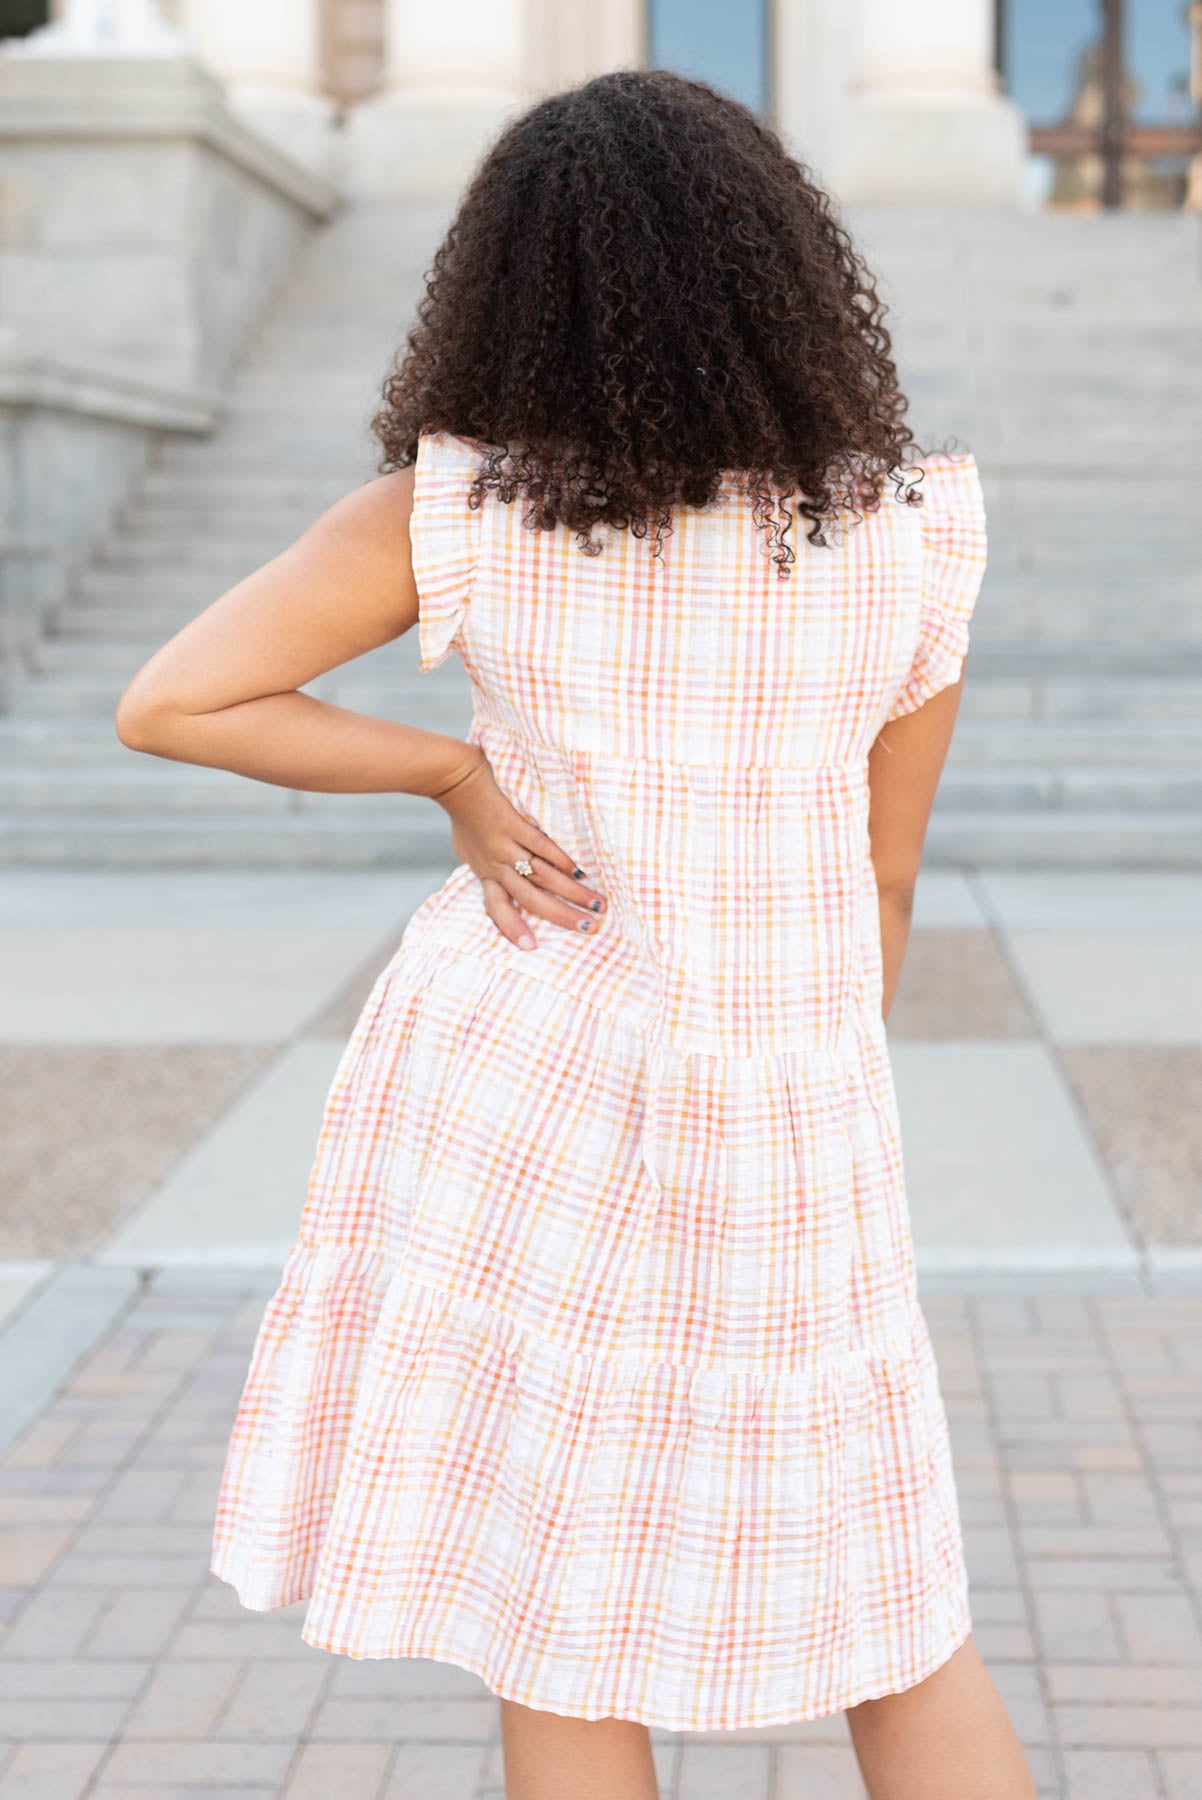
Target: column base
{"points": [[896, 152], [420, 146]]}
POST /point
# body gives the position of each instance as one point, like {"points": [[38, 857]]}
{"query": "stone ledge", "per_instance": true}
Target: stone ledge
{"points": [[32, 379], [77, 98]]}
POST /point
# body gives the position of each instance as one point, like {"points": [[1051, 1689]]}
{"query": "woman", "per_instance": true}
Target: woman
{"points": [[597, 1365]]}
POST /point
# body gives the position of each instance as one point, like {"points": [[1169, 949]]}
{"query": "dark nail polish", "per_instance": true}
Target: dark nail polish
{"points": [[579, 874], [595, 905], [586, 924]]}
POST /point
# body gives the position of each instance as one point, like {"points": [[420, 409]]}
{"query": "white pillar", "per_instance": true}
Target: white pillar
{"points": [[453, 71], [268, 54], [1193, 199], [926, 122]]}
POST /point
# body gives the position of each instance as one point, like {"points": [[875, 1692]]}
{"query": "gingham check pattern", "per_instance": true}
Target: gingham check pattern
{"points": [[597, 1365]]}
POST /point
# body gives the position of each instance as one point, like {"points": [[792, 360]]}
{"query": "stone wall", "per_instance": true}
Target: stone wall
{"points": [[143, 229]]}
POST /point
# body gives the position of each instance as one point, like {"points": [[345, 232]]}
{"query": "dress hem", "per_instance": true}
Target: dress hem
{"points": [[421, 1648]]}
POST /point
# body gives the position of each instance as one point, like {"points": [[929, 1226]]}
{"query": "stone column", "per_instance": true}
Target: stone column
{"points": [[454, 69], [268, 54], [1193, 199], [926, 121]]}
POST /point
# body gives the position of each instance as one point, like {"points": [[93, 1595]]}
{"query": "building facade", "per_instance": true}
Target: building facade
{"points": [[888, 103]]}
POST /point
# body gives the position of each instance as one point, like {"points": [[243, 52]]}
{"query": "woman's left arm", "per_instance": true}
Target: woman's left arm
{"points": [[224, 690]]}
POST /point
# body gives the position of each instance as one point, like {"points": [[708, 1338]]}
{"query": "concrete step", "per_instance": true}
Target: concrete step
{"points": [[1069, 741], [231, 840], [1057, 840], [220, 549], [133, 786], [988, 788], [413, 838], [86, 739], [171, 520], [141, 785], [245, 493]]}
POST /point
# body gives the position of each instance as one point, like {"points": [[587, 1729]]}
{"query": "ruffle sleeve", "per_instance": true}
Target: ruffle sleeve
{"points": [[952, 524], [444, 538]]}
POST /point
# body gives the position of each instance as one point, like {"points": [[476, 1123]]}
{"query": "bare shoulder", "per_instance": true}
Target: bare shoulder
{"points": [[367, 529], [381, 506]]}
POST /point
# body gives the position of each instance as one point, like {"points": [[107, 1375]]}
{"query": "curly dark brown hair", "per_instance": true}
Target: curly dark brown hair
{"points": [[642, 294]]}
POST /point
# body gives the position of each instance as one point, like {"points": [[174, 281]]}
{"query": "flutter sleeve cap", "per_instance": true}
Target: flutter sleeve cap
{"points": [[444, 538], [952, 522]]}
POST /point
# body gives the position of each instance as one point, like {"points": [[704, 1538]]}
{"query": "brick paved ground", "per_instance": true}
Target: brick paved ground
{"points": [[127, 1671]]}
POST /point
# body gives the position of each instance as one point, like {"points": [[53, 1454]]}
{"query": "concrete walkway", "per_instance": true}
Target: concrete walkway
{"points": [[167, 1039]]}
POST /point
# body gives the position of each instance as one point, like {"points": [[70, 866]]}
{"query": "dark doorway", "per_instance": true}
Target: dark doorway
{"points": [[19, 17]]}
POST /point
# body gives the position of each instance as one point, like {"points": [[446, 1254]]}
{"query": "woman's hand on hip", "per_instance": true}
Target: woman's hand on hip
{"points": [[491, 836]]}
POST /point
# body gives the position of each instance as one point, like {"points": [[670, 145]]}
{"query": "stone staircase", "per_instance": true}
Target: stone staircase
{"points": [[1065, 351]]}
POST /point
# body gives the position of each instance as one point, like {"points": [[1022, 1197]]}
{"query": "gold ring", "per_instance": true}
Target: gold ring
{"points": [[524, 867]]}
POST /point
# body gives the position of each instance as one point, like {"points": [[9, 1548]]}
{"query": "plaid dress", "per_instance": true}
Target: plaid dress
{"points": [[597, 1366]]}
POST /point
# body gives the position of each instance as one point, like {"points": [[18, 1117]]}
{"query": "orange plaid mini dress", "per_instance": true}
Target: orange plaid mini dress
{"points": [[597, 1365]]}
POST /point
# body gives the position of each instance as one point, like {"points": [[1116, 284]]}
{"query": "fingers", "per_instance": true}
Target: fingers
{"points": [[553, 879], [506, 915], [544, 894]]}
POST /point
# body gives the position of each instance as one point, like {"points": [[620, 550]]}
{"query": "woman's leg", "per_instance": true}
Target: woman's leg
{"points": [[550, 1757], [947, 1738]]}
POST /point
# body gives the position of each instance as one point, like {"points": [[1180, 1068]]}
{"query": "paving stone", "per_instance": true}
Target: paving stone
{"points": [[189, 1765], [1095, 1540], [1159, 1397], [1017, 1396], [1039, 1496], [989, 1555], [1005, 1643], [1109, 1775], [1122, 1498], [345, 1771], [273, 1700], [1163, 1726], [50, 1771], [1181, 1773], [1092, 1574], [1165, 1684], [65, 1678], [56, 1622], [1077, 1627], [80, 1569], [1173, 1446], [105, 1790], [397, 1721], [184, 1700], [96, 1718], [1161, 1628], [28, 1552], [41, 1444], [101, 1537], [137, 1623], [252, 1637], [44, 1509], [738, 1772], [433, 1772]]}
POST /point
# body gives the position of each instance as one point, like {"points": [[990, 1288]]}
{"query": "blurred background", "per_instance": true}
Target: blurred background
{"points": [[215, 216]]}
